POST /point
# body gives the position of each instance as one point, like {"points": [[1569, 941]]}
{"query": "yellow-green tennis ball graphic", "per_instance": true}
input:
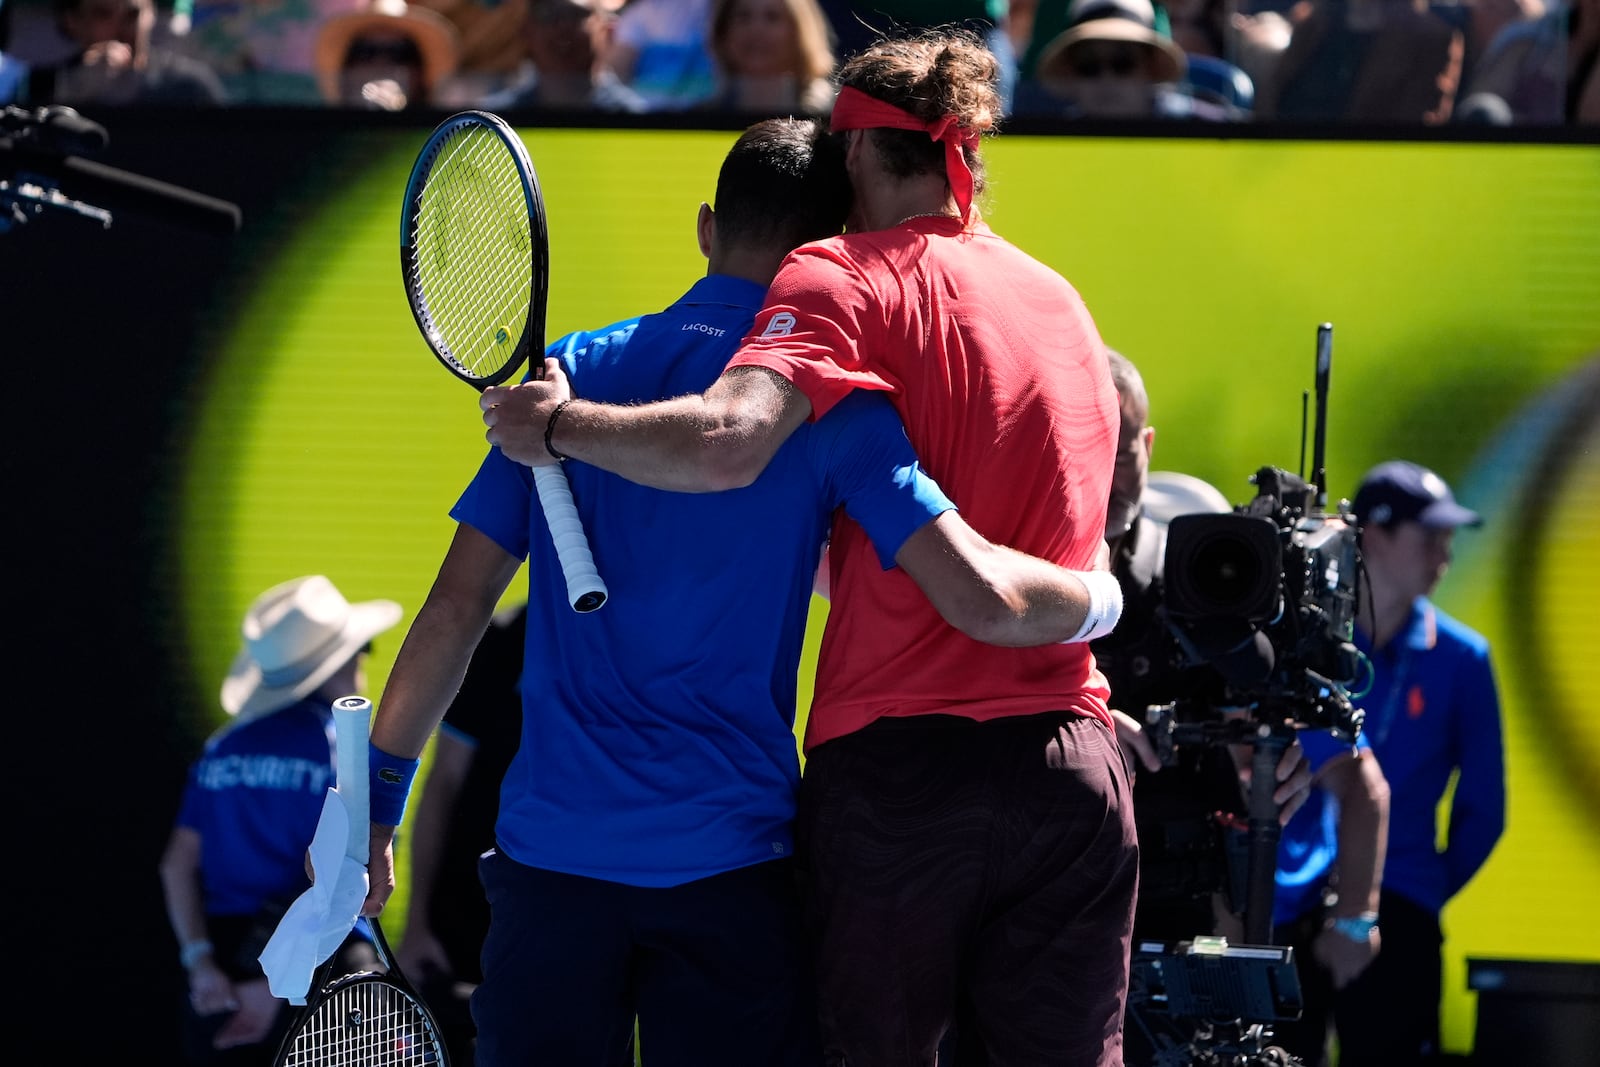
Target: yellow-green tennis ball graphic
{"points": [[502, 335], [1548, 581]]}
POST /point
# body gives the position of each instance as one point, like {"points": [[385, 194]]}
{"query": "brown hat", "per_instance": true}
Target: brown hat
{"points": [[1112, 20], [435, 36]]}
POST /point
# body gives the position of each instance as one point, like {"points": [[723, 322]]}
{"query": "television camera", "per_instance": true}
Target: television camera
{"points": [[1259, 607], [44, 171]]}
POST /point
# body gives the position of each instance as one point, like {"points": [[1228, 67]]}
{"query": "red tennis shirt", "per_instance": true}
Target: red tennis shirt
{"points": [[1002, 381]]}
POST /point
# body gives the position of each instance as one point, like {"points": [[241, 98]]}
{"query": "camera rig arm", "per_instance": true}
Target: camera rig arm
{"points": [[42, 168]]}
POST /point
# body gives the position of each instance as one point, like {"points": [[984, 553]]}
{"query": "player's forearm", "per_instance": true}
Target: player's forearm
{"points": [[1053, 604], [706, 443], [995, 594], [681, 445], [426, 675], [439, 644]]}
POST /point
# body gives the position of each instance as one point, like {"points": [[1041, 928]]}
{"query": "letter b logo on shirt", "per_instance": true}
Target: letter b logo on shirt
{"points": [[780, 325]]}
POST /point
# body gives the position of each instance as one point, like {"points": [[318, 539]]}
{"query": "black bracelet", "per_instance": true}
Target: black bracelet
{"points": [[550, 429]]}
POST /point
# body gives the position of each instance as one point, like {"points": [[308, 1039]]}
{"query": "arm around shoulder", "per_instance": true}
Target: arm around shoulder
{"points": [[720, 439], [1000, 596]]}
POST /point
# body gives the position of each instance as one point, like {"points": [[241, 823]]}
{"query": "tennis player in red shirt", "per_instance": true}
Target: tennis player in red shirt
{"points": [[965, 814]]}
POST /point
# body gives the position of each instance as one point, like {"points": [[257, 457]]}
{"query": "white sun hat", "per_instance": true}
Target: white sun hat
{"points": [[296, 636], [1171, 493]]}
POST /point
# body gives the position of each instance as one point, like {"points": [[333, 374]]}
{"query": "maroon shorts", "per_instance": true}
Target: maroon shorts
{"points": [[980, 872]]}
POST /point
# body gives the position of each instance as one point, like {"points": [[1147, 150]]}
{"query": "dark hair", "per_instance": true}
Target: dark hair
{"points": [[1126, 377], [930, 73], [782, 184]]}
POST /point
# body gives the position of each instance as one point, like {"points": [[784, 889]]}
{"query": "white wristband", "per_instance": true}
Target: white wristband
{"points": [[1105, 606]]}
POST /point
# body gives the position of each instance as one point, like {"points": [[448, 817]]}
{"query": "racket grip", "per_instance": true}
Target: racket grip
{"points": [[352, 726], [585, 590]]}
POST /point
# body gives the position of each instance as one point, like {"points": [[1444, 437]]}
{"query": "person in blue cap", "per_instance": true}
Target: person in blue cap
{"points": [[1433, 713]]}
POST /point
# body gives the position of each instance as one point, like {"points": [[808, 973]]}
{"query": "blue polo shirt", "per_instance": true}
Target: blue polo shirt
{"points": [[658, 732], [1433, 710], [255, 797]]}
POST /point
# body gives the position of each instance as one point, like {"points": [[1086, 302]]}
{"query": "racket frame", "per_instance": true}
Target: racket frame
{"points": [[539, 240], [586, 590]]}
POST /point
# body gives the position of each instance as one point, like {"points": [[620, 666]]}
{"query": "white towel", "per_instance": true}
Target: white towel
{"points": [[319, 920]]}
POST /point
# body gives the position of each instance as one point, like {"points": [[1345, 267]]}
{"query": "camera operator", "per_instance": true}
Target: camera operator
{"points": [[1432, 712], [1332, 799], [1180, 870]]}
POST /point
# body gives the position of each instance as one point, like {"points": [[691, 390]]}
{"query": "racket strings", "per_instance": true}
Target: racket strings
{"points": [[479, 209], [366, 1024], [472, 251]]}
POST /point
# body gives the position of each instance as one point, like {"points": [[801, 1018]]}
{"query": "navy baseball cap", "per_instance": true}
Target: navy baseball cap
{"points": [[1400, 491]]}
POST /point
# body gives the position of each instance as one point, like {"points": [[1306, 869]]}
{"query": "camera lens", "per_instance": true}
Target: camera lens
{"points": [[1226, 566], [1226, 573]]}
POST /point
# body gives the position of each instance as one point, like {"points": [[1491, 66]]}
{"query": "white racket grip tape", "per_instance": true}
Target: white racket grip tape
{"points": [[352, 728], [585, 590]]}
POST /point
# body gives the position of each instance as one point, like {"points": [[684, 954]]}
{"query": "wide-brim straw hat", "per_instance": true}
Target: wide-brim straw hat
{"points": [[435, 35], [1112, 20], [296, 636]]}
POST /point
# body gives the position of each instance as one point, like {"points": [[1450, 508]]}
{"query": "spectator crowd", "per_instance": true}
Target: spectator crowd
{"points": [[1415, 62]]}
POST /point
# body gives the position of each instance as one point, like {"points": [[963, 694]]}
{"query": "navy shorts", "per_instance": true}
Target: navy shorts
{"points": [[715, 971], [972, 881]]}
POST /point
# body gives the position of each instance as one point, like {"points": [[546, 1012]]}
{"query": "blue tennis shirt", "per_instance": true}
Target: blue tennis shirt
{"points": [[658, 738]]}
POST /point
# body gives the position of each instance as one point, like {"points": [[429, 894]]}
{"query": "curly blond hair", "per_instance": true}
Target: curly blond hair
{"points": [[930, 73]]}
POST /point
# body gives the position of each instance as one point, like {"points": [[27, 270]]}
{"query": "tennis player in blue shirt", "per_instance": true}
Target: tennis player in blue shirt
{"points": [[643, 867]]}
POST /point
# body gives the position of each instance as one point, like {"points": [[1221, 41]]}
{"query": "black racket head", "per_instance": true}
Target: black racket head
{"points": [[371, 1019], [474, 248], [363, 1019]]}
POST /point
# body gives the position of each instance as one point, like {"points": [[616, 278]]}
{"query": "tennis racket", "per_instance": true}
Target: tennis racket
{"points": [[367, 1019], [475, 256]]}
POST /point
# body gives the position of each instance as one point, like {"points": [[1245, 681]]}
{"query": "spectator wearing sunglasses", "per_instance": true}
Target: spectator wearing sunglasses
{"points": [[389, 57], [1111, 62]]}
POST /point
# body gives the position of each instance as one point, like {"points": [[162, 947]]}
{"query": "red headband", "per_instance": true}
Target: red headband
{"points": [[855, 110]]}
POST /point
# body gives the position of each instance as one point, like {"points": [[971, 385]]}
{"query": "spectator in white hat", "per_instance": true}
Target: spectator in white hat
{"points": [[235, 859]]}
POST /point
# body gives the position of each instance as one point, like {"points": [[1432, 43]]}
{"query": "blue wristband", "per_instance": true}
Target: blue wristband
{"points": [[390, 778], [1356, 927]]}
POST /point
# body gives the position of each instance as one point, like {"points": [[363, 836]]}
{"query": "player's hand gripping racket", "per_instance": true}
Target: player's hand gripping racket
{"points": [[366, 1019], [475, 255]]}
